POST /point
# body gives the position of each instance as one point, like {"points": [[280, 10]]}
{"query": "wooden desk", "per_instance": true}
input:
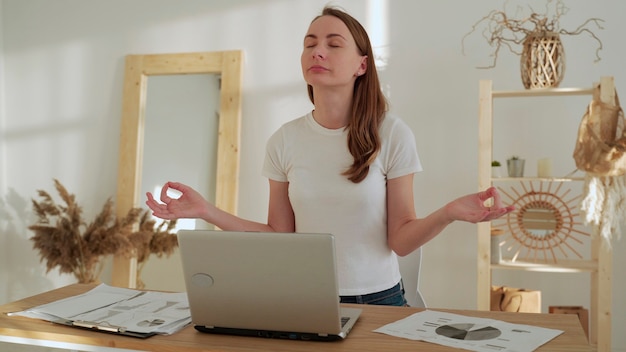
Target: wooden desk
{"points": [[37, 332]]}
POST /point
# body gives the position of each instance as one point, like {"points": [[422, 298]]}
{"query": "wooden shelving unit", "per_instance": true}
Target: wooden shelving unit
{"points": [[599, 265]]}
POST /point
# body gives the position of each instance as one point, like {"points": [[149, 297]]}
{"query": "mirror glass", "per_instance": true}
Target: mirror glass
{"points": [[180, 121], [540, 220], [180, 138], [180, 144]]}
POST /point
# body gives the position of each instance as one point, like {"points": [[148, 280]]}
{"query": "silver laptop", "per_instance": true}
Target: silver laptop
{"points": [[279, 285]]}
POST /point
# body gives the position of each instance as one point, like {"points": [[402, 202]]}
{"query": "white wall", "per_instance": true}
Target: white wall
{"points": [[3, 242], [63, 70]]}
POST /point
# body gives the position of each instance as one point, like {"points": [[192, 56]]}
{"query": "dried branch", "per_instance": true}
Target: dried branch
{"points": [[582, 29], [501, 30]]}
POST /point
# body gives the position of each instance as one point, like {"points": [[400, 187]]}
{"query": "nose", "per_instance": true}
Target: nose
{"points": [[318, 54]]}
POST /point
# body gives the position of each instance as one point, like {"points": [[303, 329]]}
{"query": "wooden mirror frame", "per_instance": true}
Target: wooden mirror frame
{"points": [[227, 64]]}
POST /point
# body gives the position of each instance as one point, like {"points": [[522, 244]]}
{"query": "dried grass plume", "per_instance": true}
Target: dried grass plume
{"points": [[151, 238], [65, 240]]}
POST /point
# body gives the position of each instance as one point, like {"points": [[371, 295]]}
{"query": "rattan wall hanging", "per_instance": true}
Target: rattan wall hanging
{"points": [[545, 226]]}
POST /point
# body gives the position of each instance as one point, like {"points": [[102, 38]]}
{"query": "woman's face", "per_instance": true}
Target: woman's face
{"points": [[330, 57]]}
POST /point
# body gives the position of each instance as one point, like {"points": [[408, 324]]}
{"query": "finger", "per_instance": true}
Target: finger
{"points": [[499, 212], [176, 185], [151, 202], [497, 201], [164, 197], [161, 211], [486, 194], [165, 216], [154, 206]]}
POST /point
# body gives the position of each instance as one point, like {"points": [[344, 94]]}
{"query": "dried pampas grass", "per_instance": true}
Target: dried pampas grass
{"points": [[152, 239], [65, 240]]}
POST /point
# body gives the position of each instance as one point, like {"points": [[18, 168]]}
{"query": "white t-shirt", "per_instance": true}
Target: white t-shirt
{"points": [[312, 158]]}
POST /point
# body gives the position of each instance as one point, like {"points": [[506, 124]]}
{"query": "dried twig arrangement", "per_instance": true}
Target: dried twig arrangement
{"points": [[66, 241], [152, 239], [501, 30]]}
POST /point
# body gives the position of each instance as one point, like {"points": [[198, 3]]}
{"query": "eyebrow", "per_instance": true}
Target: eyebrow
{"points": [[331, 35]]}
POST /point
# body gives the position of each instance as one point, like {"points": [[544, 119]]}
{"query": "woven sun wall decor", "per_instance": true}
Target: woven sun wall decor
{"points": [[545, 226]]}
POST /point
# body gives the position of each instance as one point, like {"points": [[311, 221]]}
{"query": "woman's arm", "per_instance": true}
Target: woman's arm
{"points": [[406, 233], [192, 204], [280, 213]]}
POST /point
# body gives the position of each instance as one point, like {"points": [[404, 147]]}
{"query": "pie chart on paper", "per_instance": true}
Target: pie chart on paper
{"points": [[472, 332]]}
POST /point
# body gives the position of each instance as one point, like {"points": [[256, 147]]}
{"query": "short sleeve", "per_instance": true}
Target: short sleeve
{"points": [[400, 150], [273, 165]]}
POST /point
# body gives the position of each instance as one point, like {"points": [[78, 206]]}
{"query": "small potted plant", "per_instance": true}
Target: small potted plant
{"points": [[515, 166], [495, 169]]}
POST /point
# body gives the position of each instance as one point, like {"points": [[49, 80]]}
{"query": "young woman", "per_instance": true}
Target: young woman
{"points": [[345, 168]]}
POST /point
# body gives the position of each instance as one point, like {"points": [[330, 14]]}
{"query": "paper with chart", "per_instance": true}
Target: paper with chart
{"points": [[118, 310], [470, 333]]}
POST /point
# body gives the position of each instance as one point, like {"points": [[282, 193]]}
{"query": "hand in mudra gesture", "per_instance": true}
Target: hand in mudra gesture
{"points": [[190, 204], [472, 208]]}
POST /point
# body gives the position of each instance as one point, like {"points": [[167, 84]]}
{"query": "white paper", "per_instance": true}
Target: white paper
{"points": [[469, 333], [130, 310]]}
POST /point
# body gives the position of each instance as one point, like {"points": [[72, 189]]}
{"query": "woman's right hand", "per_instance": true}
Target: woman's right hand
{"points": [[190, 204]]}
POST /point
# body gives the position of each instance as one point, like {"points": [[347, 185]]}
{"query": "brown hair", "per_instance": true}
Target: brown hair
{"points": [[368, 106]]}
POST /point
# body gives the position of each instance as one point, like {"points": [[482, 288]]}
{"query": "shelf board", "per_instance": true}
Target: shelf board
{"points": [[545, 179], [562, 266], [541, 92]]}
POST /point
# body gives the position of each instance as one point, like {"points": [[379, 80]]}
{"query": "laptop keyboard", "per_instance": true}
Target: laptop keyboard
{"points": [[344, 320]]}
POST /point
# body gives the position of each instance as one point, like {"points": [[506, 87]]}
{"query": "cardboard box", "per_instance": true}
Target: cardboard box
{"points": [[583, 315]]}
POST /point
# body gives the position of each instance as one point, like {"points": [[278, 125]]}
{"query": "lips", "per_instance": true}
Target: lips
{"points": [[318, 68]]}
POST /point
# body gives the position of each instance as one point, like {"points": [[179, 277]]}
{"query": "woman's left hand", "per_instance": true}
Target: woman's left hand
{"points": [[472, 208]]}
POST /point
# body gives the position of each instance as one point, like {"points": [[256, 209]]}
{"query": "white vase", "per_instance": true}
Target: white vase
{"points": [[496, 171]]}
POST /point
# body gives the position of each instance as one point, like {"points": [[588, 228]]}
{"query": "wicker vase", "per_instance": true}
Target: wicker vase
{"points": [[542, 60]]}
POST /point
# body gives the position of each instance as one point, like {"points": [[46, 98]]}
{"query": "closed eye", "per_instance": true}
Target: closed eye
{"points": [[310, 41]]}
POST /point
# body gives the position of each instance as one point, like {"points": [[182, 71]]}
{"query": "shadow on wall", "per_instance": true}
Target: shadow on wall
{"points": [[23, 272]]}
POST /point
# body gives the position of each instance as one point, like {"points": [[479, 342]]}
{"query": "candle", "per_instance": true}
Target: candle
{"points": [[544, 167]]}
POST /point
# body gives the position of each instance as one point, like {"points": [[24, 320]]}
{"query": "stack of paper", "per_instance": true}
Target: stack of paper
{"points": [[118, 310]]}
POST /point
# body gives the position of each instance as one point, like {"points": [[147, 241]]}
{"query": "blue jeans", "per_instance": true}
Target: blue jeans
{"points": [[390, 297]]}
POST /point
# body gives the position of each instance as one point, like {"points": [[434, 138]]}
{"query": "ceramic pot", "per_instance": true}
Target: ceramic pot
{"points": [[515, 167]]}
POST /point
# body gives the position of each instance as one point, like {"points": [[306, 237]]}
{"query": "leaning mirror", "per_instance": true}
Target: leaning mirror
{"points": [[147, 75]]}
